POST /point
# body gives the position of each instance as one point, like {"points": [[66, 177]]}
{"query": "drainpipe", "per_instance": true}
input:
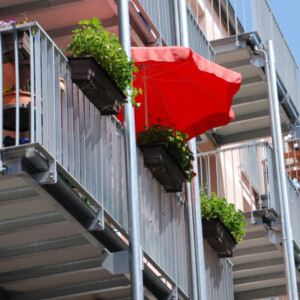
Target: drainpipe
{"points": [[197, 221], [176, 18], [135, 250], [288, 246]]}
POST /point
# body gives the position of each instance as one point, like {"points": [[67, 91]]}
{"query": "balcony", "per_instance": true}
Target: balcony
{"points": [[237, 27], [245, 176], [64, 220]]}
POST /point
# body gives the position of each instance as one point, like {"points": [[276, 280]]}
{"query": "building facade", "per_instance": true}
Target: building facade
{"points": [[66, 188]]}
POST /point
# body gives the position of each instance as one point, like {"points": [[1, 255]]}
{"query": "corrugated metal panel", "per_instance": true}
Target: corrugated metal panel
{"points": [[219, 280], [197, 39], [164, 229], [161, 14]]}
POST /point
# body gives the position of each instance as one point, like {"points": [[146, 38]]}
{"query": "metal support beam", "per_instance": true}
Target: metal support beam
{"points": [[136, 274], [261, 293], [23, 223], [258, 278], [258, 264], [42, 246], [81, 289], [65, 268], [197, 221]]}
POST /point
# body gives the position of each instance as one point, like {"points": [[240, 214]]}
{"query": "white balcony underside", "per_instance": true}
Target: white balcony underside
{"points": [[250, 104]]}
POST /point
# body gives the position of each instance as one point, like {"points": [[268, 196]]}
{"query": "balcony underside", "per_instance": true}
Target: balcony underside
{"points": [[250, 104], [52, 244], [51, 15], [258, 270]]}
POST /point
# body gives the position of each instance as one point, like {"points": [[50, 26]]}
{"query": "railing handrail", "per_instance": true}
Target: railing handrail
{"points": [[242, 145], [29, 26]]}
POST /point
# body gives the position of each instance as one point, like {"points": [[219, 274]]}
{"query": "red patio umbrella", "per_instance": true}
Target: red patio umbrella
{"points": [[182, 90]]}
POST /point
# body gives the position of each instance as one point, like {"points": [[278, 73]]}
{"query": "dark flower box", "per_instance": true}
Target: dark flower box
{"points": [[163, 167], [96, 84], [219, 237], [8, 41]]}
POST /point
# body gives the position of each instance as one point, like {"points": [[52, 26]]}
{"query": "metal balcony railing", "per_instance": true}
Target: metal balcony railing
{"points": [[245, 176], [90, 148], [231, 17]]}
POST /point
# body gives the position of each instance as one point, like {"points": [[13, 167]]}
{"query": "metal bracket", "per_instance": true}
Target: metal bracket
{"points": [[98, 223], [47, 177], [2, 167], [117, 262]]}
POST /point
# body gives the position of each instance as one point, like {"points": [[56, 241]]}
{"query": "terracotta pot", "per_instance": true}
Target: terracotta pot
{"points": [[10, 98], [9, 111]]}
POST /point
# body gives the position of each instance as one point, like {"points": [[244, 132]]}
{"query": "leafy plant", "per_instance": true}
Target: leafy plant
{"points": [[214, 207], [12, 88], [175, 143], [92, 39], [9, 89]]}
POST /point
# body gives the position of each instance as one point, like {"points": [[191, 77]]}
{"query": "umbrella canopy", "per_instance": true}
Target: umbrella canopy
{"points": [[182, 90]]}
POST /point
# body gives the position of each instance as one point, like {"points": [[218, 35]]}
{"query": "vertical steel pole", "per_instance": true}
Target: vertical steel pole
{"points": [[1, 102], [191, 213], [17, 78], [135, 249], [202, 295], [290, 267], [176, 18]]}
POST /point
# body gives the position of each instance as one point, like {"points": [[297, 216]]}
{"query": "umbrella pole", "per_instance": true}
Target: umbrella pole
{"points": [[197, 220], [146, 99], [135, 249]]}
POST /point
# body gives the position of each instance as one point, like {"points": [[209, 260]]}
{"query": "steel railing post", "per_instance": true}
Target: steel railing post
{"points": [[136, 273]]}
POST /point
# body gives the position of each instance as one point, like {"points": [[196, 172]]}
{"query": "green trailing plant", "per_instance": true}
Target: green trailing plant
{"points": [[213, 207], [92, 39], [174, 141]]}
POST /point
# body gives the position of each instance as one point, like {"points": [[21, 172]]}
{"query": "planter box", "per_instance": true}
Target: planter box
{"points": [[96, 85], [219, 237], [164, 168], [9, 111], [9, 49]]}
